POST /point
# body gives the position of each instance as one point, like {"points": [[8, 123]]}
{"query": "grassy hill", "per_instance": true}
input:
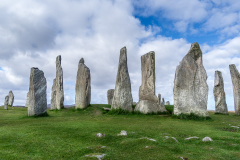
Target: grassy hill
{"points": [[71, 134]]}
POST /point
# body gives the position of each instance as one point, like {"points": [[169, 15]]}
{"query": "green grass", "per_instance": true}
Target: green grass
{"points": [[71, 134]]}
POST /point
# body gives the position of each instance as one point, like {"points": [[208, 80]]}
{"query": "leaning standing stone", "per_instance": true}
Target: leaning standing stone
{"points": [[122, 94], [83, 86], [11, 98], [219, 94], [6, 102], [37, 95], [236, 87], [148, 101], [190, 84], [57, 97], [110, 94]]}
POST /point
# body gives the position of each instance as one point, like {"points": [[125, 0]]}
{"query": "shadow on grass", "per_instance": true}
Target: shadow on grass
{"points": [[36, 116], [191, 116]]}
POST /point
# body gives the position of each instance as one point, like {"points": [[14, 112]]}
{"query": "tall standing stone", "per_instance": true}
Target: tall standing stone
{"points": [[122, 98], [11, 98], [6, 102], [190, 84], [148, 101], [110, 94], [219, 94], [27, 101], [37, 102], [57, 97], [236, 87], [159, 99], [163, 101], [83, 86]]}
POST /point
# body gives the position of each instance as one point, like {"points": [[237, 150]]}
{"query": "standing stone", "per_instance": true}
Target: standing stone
{"points": [[57, 97], [219, 94], [6, 102], [83, 86], [163, 101], [190, 84], [110, 94], [167, 103], [159, 99], [11, 98], [122, 98], [37, 101], [236, 87], [148, 101], [27, 101]]}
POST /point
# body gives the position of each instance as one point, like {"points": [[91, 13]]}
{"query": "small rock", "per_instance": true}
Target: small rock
{"points": [[166, 137], [100, 135], [175, 139], [98, 156], [123, 133], [191, 138], [206, 139], [235, 126], [133, 132], [149, 139], [103, 147], [146, 147]]}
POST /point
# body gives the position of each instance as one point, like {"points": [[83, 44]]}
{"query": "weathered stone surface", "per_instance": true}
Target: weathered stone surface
{"points": [[219, 94], [83, 86], [110, 94], [27, 101], [6, 102], [148, 101], [11, 98], [134, 103], [167, 103], [163, 101], [236, 87], [57, 97], [190, 84], [37, 95], [122, 94]]}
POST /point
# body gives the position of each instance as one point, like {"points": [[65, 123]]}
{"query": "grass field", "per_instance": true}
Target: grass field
{"points": [[71, 134]]}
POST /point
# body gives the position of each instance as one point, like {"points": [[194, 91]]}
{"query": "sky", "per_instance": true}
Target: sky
{"points": [[34, 32]]}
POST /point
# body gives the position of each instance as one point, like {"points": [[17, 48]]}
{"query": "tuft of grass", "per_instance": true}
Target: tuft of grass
{"points": [[169, 108], [190, 116], [125, 112], [220, 113]]}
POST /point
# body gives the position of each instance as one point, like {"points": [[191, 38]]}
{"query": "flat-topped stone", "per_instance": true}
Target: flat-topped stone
{"points": [[37, 95]]}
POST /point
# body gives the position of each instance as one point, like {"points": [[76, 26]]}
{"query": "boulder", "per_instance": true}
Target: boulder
{"points": [[57, 97], [83, 86], [148, 101], [6, 102], [167, 103], [236, 87], [37, 95], [110, 94], [122, 98], [190, 84], [11, 98], [219, 94]]}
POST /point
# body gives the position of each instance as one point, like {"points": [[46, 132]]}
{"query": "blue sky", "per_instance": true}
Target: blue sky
{"points": [[33, 33]]}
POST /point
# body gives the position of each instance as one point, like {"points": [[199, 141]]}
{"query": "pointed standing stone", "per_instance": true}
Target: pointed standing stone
{"points": [[190, 84], [110, 94], [57, 97], [122, 94], [236, 87], [219, 94], [37, 102], [11, 98], [148, 101], [6, 102], [83, 86]]}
